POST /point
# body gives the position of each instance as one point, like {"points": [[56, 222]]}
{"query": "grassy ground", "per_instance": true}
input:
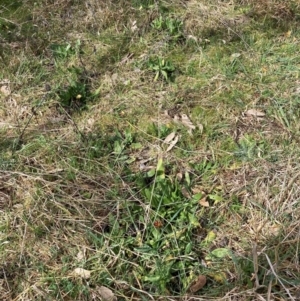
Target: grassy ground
{"points": [[149, 150]]}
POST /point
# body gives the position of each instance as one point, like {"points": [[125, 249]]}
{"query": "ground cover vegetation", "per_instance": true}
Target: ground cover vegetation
{"points": [[149, 150]]}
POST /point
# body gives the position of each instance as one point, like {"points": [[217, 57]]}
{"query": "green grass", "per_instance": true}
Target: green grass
{"points": [[90, 95]]}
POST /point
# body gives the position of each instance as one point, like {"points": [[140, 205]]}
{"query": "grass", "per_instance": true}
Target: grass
{"points": [[98, 199]]}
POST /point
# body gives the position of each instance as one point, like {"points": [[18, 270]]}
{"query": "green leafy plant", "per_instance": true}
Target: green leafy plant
{"points": [[74, 96], [172, 26], [168, 234], [63, 51], [249, 148], [121, 142], [163, 68]]}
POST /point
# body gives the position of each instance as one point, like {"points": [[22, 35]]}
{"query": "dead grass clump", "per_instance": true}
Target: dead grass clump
{"points": [[46, 231], [204, 21], [267, 220], [279, 10]]}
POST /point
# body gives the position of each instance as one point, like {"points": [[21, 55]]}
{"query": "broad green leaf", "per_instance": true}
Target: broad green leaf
{"points": [[152, 278], [193, 220], [160, 169], [197, 197], [187, 178], [165, 74], [136, 145], [148, 193], [118, 148], [151, 173], [188, 248], [210, 237], [221, 252], [130, 160], [215, 197]]}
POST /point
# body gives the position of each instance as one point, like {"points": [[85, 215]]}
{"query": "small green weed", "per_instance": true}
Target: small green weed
{"points": [[161, 131], [163, 68], [160, 234], [250, 149], [121, 144], [67, 287], [63, 51], [171, 25], [74, 96]]}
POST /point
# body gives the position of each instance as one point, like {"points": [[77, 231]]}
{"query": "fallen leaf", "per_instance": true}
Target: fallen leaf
{"points": [[203, 202], [198, 189], [191, 37], [235, 56], [176, 118], [170, 137], [91, 121], [179, 176], [85, 274], [144, 167], [288, 34], [133, 26], [201, 128], [172, 143], [198, 284], [185, 192], [5, 90], [80, 255], [274, 230], [254, 113], [106, 294], [187, 122]]}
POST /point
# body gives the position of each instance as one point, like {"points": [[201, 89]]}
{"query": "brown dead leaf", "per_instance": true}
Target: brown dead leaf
{"points": [[201, 128], [85, 274], [198, 284], [106, 294], [185, 193], [187, 122], [254, 113], [198, 189], [5, 90], [274, 230], [203, 202], [234, 56], [144, 167], [172, 143], [133, 26], [176, 118], [179, 176], [170, 137], [80, 256]]}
